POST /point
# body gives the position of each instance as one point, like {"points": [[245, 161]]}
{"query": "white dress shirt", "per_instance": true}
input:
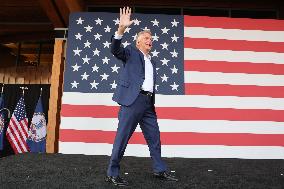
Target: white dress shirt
{"points": [[148, 83]]}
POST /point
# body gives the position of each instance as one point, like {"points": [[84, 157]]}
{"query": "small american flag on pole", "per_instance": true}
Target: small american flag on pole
{"points": [[220, 86], [17, 131]]}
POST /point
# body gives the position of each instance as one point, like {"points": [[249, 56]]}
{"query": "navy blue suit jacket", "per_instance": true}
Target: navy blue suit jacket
{"points": [[132, 74]]}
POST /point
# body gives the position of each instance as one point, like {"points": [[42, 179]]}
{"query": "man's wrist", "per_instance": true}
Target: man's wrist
{"points": [[117, 36], [120, 30]]}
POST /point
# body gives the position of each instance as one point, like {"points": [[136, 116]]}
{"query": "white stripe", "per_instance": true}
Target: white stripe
{"points": [[21, 141], [77, 98], [10, 134], [185, 151], [201, 101], [24, 132], [17, 134], [233, 78], [204, 101], [233, 56], [166, 125], [234, 34]]}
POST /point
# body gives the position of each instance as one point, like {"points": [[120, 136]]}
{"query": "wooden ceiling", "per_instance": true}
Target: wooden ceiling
{"points": [[32, 22]]}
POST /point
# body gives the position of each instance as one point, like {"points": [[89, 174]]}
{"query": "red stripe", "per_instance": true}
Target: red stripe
{"points": [[177, 138], [15, 134], [234, 23], [234, 90], [12, 144], [96, 111], [235, 45], [24, 126], [20, 134], [11, 132], [179, 113], [186, 113], [18, 137], [233, 67]]}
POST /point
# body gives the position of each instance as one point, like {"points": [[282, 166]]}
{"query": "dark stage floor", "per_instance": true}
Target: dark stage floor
{"points": [[81, 171]]}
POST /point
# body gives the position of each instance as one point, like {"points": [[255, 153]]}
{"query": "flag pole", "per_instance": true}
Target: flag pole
{"points": [[23, 90], [2, 90]]}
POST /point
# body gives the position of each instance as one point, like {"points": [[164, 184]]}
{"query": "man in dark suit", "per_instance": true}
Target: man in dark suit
{"points": [[136, 94]]}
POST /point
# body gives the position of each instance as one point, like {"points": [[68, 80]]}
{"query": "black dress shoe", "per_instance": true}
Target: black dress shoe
{"points": [[117, 181], [165, 176]]}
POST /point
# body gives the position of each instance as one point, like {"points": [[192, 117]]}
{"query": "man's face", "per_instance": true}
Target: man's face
{"points": [[145, 42]]}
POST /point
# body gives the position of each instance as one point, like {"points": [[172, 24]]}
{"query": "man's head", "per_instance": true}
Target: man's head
{"points": [[144, 41]]}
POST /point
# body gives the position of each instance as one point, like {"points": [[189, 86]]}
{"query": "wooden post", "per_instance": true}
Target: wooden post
{"points": [[56, 90]]}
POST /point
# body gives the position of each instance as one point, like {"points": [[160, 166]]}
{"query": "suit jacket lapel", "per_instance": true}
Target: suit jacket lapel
{"points": [[142, 59]]}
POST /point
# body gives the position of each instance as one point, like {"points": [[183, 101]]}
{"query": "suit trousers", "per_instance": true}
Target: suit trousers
{"points": [[141, 111]]}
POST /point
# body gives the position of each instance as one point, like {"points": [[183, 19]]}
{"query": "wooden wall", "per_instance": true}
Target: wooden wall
{"points": [[26, 75]]}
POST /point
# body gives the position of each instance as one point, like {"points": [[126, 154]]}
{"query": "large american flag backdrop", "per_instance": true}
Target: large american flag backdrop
{"points": [[220, 86]]}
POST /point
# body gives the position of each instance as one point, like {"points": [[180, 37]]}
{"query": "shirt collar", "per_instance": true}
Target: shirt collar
{"points": [[147, 56]]}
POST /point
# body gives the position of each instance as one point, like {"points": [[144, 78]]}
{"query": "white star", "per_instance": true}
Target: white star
{"points": [[97, 36], [174, 23], [107, 29], [87, 44], [94, 84], [88, 28], [105, 60], [125, 44], [174, 86], [86, 60], [98, 21], [174, 70], [155, 53], [134, 37], [165, 30], [78, 36], [106, 44], [75, 67], [165, 78], [155, 37], [174, 53], [80, 21], [115, 68], [95, 68], [164, 45], [156, 87], [136, 22], [113, 85], [127, 30], [85, 76], [77, 52], [104, 76], [74, 84], [96, 52], [155, 22], [116, 21], [174, 38], [165, 62], [145, 28]]}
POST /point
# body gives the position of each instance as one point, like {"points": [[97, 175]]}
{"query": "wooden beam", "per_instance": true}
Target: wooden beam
{"points": [[56, 90], [58, 11], [25, 27], [63, 10], [53, 13], [66, 7], [27, 36], [75, 5], [254, 4]]}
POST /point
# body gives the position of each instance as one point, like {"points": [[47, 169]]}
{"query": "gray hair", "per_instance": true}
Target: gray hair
{"points": [[141, 33]]}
